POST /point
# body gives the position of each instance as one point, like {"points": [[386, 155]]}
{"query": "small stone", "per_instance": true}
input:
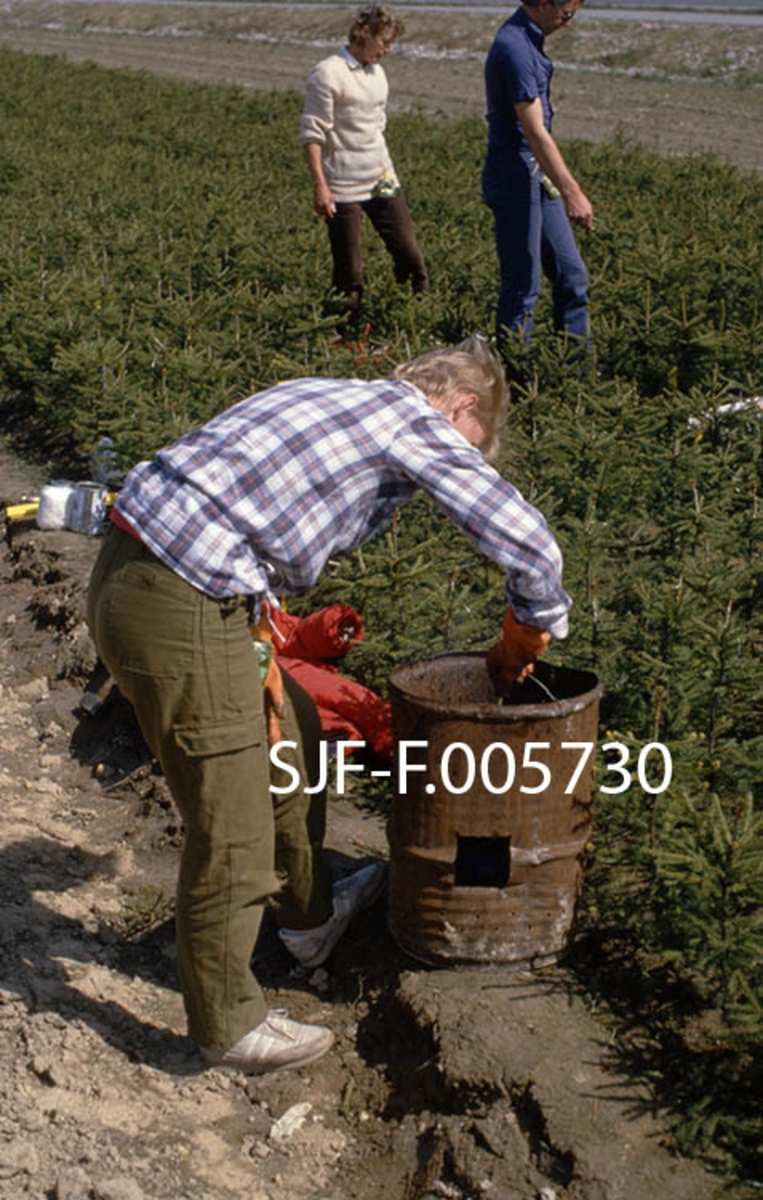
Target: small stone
{"points": [[121, 1187], [288, 1124], [33, 1121], [36, 689], [17, 1158], [46, 787], [72, 1184], [47, 1071]]}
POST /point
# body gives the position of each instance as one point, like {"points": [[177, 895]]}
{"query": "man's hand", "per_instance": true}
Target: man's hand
{"points": [[576, 204], [513, 658], [578, 207]]}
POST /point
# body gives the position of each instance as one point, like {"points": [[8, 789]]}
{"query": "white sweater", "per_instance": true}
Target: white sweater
{"points": [[345, 113]]}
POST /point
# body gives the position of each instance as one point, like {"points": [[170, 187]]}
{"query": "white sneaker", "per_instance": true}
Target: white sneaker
{"points": [[311, 947], [276, 1044]]}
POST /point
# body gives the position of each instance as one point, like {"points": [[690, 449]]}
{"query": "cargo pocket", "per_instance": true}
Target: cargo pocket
{"points": [[220, 781], [227, 737]]}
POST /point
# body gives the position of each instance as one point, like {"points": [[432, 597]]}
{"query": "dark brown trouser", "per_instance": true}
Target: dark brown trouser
{"points": [[392, 221], [187, 664]]}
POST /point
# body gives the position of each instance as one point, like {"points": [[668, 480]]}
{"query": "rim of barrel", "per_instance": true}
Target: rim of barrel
{"points": [[495, 711]]}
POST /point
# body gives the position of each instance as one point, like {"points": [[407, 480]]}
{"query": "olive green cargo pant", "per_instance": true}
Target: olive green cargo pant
{"points": [[188, 666]]}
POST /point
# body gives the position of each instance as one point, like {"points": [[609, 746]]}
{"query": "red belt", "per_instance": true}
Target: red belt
{"points": [[123, 524]]}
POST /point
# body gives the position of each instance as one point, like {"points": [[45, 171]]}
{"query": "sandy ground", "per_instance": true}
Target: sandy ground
{"points": [[481, 1083]]}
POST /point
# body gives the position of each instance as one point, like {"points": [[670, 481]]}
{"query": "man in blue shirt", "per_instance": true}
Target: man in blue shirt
{"points": [[525, 180]]}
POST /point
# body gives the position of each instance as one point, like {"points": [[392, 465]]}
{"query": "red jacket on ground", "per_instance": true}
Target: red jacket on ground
{"points": [[307, 648]]}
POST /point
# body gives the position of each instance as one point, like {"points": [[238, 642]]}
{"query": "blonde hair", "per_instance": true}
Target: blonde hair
{"points": [[375, 18], [469, 367]]}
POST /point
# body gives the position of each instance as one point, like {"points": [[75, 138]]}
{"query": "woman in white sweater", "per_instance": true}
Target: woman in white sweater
{"points": [[342, 133]]}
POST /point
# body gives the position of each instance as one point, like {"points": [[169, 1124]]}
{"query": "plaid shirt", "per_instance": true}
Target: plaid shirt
{"points": [[257, 500]]}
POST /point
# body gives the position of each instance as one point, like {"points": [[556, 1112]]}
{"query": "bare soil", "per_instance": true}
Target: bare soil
{"points": [[461, 1083]]}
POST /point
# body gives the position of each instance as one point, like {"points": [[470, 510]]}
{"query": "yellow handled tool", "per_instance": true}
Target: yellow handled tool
{"points": [[28, 508]]}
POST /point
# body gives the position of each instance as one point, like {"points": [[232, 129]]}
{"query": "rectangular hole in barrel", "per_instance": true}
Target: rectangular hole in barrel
{"points": [[482, 861]]}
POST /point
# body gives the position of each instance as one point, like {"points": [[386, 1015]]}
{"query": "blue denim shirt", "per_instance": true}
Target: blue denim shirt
{"points": [[517, 70]]}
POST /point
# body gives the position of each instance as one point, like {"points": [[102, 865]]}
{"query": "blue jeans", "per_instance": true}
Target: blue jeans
{"points": [[534, 235]]}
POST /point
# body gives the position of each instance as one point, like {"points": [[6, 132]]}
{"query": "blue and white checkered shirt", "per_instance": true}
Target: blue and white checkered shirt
{"points": [[256, 501]]}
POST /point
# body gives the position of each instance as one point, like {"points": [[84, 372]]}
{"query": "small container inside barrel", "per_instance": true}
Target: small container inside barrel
{"points": [[492, 810]]}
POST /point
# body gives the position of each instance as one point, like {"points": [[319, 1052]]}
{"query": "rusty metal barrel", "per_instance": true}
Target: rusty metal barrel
{"points": [[491, 812]]}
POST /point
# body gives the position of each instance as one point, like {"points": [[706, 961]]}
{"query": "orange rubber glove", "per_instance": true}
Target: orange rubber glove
{"points": [[272, 682], [513, 658]]}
